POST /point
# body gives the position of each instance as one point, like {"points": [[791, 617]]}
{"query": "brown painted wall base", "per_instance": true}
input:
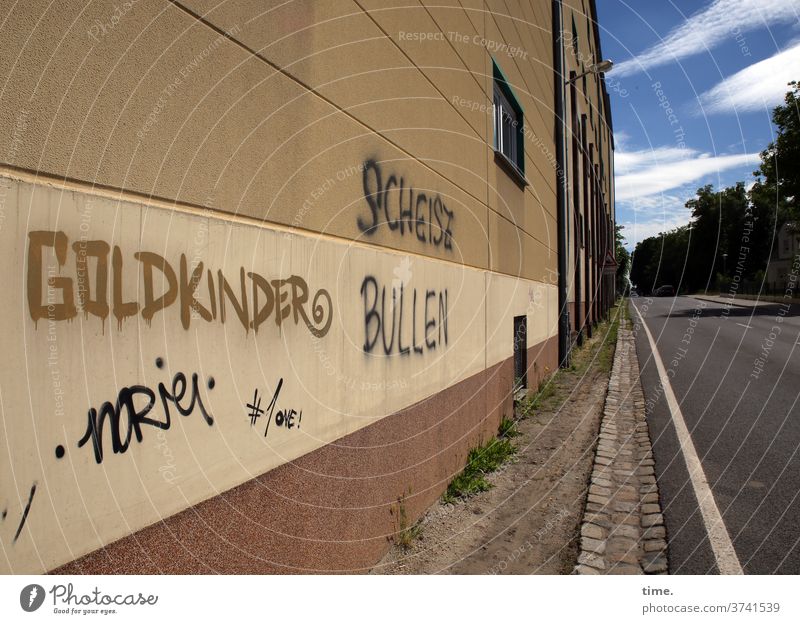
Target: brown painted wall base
{"points": [[335, 509]]}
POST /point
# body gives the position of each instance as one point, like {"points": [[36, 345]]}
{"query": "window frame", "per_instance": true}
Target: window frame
{"points": [[513, 155]]}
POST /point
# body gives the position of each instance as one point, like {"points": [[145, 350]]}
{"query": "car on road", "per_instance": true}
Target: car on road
{"points": [[665, 291]]}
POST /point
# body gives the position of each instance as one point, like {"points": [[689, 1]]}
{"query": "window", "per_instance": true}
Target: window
{"points": [[520, 352], [575, 46], [508, 122]]}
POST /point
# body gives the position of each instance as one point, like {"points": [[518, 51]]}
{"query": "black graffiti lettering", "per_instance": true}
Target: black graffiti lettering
{"points": [[420, 218], [392, 181], [437, 213], [433, 226], [406, 214], [377, 323], [443, 316], [370, 313], [387, 348], [414, 325], [123, 432], [448, 232], [373, 195], [431, 344], [403, 350]]}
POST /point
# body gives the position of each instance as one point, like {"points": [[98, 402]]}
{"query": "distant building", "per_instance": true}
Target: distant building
{"points": [[269, 275], [784, 254]]}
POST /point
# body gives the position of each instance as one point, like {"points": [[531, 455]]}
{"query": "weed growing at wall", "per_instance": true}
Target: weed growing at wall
{"points": [[481, 461]]}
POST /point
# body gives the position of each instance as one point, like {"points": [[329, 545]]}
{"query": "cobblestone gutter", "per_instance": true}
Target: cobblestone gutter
{"points": [[623, 530]]}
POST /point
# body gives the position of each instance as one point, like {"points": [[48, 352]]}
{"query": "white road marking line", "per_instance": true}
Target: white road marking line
{"points": [[743, 325], [721, 545]]}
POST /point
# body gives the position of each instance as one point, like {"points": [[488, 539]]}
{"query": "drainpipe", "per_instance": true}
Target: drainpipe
{"points": [[561, 188]]}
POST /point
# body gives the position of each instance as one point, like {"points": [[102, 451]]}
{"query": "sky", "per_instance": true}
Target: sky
{"points": [[692, 91]]}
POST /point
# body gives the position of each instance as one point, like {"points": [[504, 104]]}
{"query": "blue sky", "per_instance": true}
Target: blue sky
{"points": [[692, 90]]}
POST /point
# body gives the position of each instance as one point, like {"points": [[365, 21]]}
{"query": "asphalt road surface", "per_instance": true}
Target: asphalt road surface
{"points": [[735, 372]]}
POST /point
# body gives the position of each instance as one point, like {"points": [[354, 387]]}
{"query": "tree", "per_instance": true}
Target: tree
{"points": [[623, 259], [732, 231], [780, 161]]}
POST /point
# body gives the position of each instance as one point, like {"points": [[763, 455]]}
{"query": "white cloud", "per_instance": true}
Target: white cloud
{"points": [[758, 87], [704, 30], [646, 173], [637, 230]]}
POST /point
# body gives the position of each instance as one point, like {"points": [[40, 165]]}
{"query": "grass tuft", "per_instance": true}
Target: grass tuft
{"points": [[481, 461]]}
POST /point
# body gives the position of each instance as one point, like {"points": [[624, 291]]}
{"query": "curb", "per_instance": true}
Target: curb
{"points": [[622, 531]]}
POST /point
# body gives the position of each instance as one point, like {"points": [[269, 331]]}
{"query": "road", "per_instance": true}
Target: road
{"points": [[744, 421]]}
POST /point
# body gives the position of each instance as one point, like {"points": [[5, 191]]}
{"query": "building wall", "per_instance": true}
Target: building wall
{"points": [[200, 212], [590, 203]]}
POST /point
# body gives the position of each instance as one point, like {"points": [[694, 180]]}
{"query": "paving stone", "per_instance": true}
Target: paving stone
{"points": [[582, 569], [602, 482], [651, 508], [600, 500], [592, 560], [625, 530], [652, 520], [655, 564], [650, 498], [624, 506], [602, 491], [593, 545], [654, 544], [656, 532], [599, 518], [595, 508], [625, 518], [593, 531], [624, 568]]}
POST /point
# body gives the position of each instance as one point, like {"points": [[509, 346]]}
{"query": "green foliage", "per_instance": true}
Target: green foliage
{"points": [[406, 534], [623, 259], [508, 428], [731, 230], [481, 461], [780, 161]]}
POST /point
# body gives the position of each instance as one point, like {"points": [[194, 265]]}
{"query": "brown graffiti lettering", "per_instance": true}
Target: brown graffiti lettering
{"points": [[284, 299]]}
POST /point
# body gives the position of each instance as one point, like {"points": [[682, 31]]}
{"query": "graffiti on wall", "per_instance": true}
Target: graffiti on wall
{"points": [[136, 403], [287, 418], [395, 204], [282, 299], [385, 330]]}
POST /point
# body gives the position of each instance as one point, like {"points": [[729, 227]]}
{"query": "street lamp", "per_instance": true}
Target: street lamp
{"points": [[597, 68], [725, 264]]}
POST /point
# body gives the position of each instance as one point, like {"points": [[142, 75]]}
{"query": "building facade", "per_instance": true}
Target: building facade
{"points": [[272, 269]]}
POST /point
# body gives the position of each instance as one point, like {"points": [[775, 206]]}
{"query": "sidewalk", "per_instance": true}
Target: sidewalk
{"points": [[740, 301], [623, 528], [529, 521]]}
